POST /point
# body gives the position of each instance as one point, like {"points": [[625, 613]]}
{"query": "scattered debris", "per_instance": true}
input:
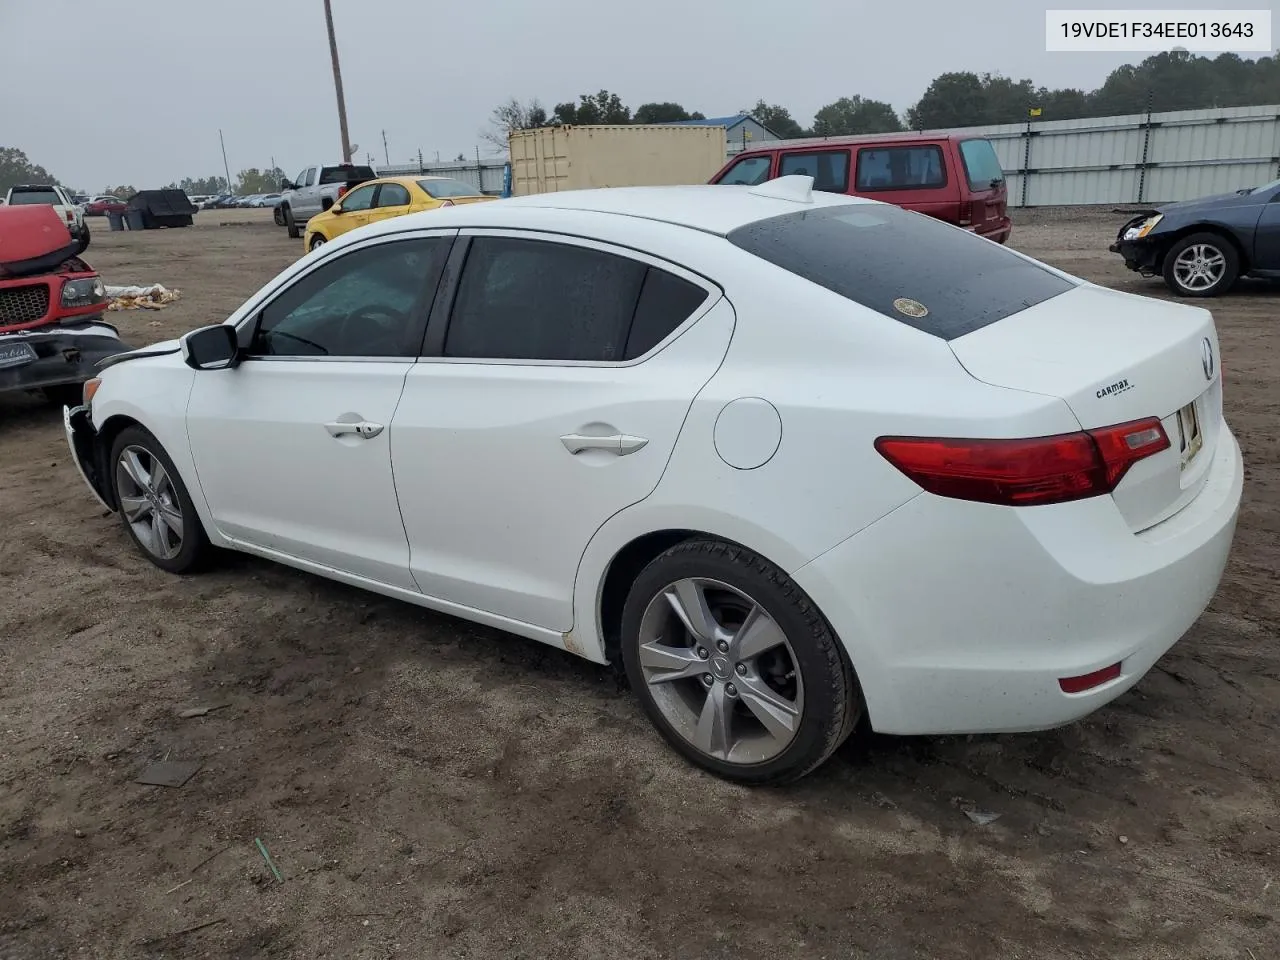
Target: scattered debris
{"points": [[178, 887], [982, 817], [1124, 839], [201, 711], [262, 849], [153, 297], [209, 858], [180, 933], [168, 773]]}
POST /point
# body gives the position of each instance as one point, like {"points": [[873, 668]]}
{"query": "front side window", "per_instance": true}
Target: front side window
{"points": [[539, 300], [362, 304], [393, 195], [829, 168], [358, 199], [445, 188], [301, 179], [749, 171], [900, 168]]}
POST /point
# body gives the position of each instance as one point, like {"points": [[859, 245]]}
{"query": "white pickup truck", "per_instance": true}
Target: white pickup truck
{"points": [[67, 209], [315, 190]]}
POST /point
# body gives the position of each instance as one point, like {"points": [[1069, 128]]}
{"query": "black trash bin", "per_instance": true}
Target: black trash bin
{"points": [[136, 220], [160, 208], [115, 221]]}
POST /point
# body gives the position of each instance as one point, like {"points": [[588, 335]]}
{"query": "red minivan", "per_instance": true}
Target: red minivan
{"points": [[953, 177]]}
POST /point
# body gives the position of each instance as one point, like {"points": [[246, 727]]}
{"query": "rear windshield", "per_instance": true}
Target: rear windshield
{"points": [[35, 196], [981, 165], [346, 174], [444, 188], [903, 264]]}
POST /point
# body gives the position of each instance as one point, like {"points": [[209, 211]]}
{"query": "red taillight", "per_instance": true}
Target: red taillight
{"points": [[1089, 680], [1026, 473], [342, 191], [71, 216], [966, 213]]}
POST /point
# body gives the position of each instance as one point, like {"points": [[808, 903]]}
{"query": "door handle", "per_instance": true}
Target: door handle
{"points": [[620, 443], [364, 429]]}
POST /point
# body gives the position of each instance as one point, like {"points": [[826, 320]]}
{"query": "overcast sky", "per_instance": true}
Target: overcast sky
{"points": [[134, 91]]}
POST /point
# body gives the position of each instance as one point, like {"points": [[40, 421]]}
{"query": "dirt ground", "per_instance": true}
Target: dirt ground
{"points": [[428, 788]]}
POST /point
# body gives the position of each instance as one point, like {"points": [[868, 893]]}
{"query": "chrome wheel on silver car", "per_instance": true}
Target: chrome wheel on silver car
{"points": [[154, 504], [149, 502], [721, 671], [734, 665]]}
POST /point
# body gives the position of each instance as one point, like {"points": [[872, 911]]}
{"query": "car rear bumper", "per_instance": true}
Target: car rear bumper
{"points": [[56, 355], [963, 617], [997, 230]]}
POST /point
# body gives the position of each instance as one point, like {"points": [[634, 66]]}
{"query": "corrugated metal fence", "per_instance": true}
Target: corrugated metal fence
{"points": [[1136, 159], [486, 177]]}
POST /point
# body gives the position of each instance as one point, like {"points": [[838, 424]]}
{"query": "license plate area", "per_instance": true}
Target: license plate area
{"points": [[1190, 436], [15, 354]]}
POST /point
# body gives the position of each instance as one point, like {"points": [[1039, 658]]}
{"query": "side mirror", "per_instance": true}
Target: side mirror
{"points": [[287, 185], [211, 348], [328, 204]]}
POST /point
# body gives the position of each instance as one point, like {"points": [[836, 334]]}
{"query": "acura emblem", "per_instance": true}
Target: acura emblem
{"points": [[1206, 358]]}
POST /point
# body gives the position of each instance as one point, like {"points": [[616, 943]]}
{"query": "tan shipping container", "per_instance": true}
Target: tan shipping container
{"points": [[548, 159]]}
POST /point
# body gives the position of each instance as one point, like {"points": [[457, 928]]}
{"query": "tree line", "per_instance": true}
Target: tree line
{"points": [[1165, 81]]}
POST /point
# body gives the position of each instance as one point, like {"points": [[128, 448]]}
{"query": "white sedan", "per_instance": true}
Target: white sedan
{"points": [[793, 459]]}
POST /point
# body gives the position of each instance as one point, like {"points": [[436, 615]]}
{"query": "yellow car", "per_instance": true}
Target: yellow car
{"points": [[385, 198]]}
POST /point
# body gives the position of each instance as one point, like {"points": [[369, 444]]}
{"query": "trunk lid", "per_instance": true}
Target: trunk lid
{"points": [[1113, 357]]}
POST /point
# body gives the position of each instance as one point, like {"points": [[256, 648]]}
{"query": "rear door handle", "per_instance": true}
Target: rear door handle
{"points": [[619, 443], [364, 429]]}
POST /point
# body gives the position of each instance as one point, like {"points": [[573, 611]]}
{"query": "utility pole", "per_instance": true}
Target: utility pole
{"points": [[337, 83], [385, 151], [225, 165]]}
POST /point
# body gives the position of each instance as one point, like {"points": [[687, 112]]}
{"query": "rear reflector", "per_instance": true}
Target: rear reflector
{"points": [[1089, 680], [1026, 473]]}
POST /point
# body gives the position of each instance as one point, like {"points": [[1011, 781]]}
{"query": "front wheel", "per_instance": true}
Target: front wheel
{"points": [[295, 232], [734, 664], [277, 214], [154, 503], [1201, 265], [316, 242]]}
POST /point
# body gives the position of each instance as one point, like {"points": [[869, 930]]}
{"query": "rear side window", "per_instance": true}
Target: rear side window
{"points": [[538, 300], [829, 168], [981, 165], [900, 168], [750, 171], [665, 302], [907, 266]]}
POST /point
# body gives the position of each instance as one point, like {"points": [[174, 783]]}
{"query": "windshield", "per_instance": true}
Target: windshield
{"points": [[34, 196], [444, 188], [981, 165], [908, 266]]}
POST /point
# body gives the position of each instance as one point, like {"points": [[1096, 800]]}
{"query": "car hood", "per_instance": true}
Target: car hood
{"points": [[1203, 204], [33, 239]]}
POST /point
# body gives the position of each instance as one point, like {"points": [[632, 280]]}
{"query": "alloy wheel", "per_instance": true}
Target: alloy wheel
{"points": [[1199, 267], [721, 671], [149, 502]]}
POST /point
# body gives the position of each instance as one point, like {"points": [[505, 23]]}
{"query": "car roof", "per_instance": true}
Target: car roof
{"points": [[860, 138], [711, 209]]}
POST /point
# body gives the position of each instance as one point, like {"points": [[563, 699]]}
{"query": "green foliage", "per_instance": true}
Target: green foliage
{"points": [[776, 118], [204, 186], [16, 168], [664, 113], [593, 109], [253, 180], [853, 115]]}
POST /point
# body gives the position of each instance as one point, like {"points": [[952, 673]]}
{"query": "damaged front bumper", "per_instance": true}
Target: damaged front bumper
{"points": [[86, 453], [56, 355]]}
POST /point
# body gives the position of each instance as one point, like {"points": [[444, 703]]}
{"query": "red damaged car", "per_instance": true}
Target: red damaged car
{"points": [[52, 334]]}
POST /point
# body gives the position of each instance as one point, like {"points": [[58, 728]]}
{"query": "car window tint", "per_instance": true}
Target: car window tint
{"points": [[301, 179], [362, 304], [895, 261], [358, 199], [26, 197], [748, 170], [900, 168], [393, 195], [666, 301], [346, 174], [981, 165], [829, 168], [539, 300], [311, 176], [443, 188]]}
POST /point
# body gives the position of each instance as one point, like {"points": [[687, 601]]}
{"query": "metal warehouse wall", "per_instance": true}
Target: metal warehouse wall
{"points": [[1133, 159], [486, 177]]}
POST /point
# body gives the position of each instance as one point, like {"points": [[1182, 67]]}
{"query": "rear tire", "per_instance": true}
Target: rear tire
{"points": [[155, 506], [735, 665], [295, 233], [83, 240], [1201, 265]]}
